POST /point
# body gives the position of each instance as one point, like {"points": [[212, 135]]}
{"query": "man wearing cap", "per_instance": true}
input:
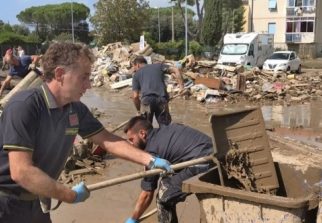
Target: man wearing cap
{"points": [[19, 66]]}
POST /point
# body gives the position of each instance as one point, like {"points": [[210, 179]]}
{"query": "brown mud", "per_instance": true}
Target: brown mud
{"points": [[300, 123]]}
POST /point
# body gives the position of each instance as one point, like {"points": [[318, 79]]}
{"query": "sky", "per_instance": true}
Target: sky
{"points": [[11, 8]]}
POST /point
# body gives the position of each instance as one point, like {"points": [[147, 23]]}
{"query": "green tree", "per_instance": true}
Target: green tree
{"points": [[6, 28], [16, 34], [51, 20], [63, 37], [119, 20], [195, 34], [20, 29], [233, 16], [212, 23], [166, 24]]}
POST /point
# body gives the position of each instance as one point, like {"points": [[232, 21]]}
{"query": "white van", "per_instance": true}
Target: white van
{"points": [[250, 49]]}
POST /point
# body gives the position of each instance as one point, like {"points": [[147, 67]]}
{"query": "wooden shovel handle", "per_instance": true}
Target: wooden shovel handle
{"points": [[148, 173]]}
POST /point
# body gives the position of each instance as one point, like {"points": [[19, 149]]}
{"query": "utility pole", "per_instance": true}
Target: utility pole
{"points": [[233, 23], [172, 24], [186, 29], [71, 8], [252, 17], [159, 24]]}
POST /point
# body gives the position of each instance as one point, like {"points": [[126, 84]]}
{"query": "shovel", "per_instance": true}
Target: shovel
{"points": [[142, 174]]}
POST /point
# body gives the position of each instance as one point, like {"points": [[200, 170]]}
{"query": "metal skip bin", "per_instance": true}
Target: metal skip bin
{"points": [[242, 146], [223, 204], [273, 195]]}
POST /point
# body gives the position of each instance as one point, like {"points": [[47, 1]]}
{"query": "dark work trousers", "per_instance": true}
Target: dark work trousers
{"points": [[158, 107], [170, 192], [13, 210]]}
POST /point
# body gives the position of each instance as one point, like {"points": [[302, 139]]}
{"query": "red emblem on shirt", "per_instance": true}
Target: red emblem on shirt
{"points": [[73, 119]]}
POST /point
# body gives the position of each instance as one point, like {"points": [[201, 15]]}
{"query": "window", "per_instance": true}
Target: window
{"points": [[302, 25], [234, 49], [291, 3], [271, 27], [251, 50], [272, 5], [298, 3], [308, 2]]}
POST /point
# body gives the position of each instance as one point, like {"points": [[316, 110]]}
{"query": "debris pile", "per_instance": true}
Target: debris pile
{"points": [[113, 63], [207, 82], [86, 159]]}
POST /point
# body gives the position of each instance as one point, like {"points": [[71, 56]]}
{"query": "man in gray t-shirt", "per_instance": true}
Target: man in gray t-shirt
{"points": [[176, 143], [149, 82]]}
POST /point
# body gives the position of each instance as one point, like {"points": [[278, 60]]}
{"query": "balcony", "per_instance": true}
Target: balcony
{"points": [[300, 11], [293, 38], [299, 37]]}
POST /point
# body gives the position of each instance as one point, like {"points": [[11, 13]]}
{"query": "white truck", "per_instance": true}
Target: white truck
{"points": [[249, 49]]}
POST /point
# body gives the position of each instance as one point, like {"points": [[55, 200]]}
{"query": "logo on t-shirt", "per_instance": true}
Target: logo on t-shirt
{"points": [[73, 119]]}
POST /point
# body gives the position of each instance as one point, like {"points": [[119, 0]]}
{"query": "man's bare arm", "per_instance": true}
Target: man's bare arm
{"points": [[121, 148], [136, 100], [175, 72], [143, 202], [34, 180], [35, 59], [5, 83]]}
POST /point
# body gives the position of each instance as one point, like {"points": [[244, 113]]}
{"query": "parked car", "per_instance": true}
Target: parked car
{"points": [[283, 61]]}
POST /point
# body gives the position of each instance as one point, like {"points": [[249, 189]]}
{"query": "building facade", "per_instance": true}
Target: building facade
{"points": [[296, 24]]}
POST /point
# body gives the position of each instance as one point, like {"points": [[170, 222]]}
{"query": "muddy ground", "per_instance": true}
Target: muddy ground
{"points": [[300, 123]]}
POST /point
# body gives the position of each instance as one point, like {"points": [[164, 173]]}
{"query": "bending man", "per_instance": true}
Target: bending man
{"points": [[149, 82], [37, 131], [177, 143], [18, 66]]}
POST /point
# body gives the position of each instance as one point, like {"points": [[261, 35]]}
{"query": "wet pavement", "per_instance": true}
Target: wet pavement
{"points": [[301, 122]]}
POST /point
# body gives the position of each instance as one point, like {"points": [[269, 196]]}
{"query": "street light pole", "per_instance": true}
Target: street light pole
{"points": [[186, 29], [72, 12], [252, 16], [172, 25], [159, 23]]}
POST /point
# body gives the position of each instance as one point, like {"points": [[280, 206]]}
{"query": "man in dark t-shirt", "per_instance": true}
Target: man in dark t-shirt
{"points": [[176, 143], [37, 131], [149, 82], [18, 66]]}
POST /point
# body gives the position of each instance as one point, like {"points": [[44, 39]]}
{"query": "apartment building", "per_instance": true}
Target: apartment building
{"points": [[296, 24]]}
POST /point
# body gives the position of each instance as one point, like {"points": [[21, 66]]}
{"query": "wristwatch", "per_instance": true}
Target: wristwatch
{"points": [[151, 163]]}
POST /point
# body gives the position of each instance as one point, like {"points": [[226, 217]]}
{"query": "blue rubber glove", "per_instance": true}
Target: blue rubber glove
{"points": [[131, 220], [161, 164], [82, 193]]}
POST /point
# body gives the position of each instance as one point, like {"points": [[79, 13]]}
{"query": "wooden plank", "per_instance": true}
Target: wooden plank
{"points": [[23, 84], [121, 84], [213, 83], [36, 83], [241, 82]]}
